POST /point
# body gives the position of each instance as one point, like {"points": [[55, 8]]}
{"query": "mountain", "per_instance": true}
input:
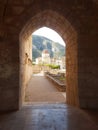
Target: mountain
{"points": [[40, 43]]}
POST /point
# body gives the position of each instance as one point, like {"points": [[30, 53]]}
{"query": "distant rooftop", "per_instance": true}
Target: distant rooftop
{"points": [[45, 51]]}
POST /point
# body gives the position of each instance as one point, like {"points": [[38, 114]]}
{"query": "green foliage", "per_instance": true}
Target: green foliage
{"points": [[54, 66], [62, 78], [36, 53]]}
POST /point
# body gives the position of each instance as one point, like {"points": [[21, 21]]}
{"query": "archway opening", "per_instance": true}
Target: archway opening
{"points": [[47, 83], [67, 32]]}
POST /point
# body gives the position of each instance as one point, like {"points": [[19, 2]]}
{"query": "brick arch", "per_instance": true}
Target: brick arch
{"points": [[61, 25]]}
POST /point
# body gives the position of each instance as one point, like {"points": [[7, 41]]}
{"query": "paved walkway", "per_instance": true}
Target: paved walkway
{"points": [[40, 89]]}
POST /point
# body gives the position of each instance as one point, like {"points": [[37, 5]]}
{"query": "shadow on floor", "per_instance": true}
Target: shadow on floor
{"points": [[47, 117]]}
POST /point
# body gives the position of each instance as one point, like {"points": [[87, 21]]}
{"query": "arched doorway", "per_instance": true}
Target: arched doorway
{"points": [[47, 83], [58, 23]]}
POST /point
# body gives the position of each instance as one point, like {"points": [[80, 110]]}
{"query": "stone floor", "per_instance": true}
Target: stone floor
{"points": [[47, 117], [93, 113]]}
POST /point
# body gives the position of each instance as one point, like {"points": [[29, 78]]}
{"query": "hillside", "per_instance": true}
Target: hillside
{"points": [[40, 43]]}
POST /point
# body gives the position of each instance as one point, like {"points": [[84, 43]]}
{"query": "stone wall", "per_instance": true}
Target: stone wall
{"points": [[72, 90], [88, 66], [9, 75], [25, 64]]}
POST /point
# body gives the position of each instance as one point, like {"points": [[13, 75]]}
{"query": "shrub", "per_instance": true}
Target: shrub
{"points": [[54, 66]]}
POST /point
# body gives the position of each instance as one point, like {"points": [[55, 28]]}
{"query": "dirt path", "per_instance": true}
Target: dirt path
{"points": [[41, 90]]}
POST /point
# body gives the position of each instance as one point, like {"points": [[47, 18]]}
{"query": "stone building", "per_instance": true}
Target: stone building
{"points": [[45, 57], [76, 21]]}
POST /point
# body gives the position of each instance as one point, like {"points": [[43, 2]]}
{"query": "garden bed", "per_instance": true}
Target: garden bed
{"points": [[58, 79]]}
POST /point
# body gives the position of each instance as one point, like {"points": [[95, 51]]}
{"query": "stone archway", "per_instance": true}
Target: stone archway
{"points": [[58, 23], [81, 28]]}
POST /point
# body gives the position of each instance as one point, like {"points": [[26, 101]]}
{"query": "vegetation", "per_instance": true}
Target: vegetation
{"points": [[51, 66], [54, 66]]}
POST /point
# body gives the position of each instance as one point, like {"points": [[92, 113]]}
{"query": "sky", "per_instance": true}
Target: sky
{"points": [[50, 34]]}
